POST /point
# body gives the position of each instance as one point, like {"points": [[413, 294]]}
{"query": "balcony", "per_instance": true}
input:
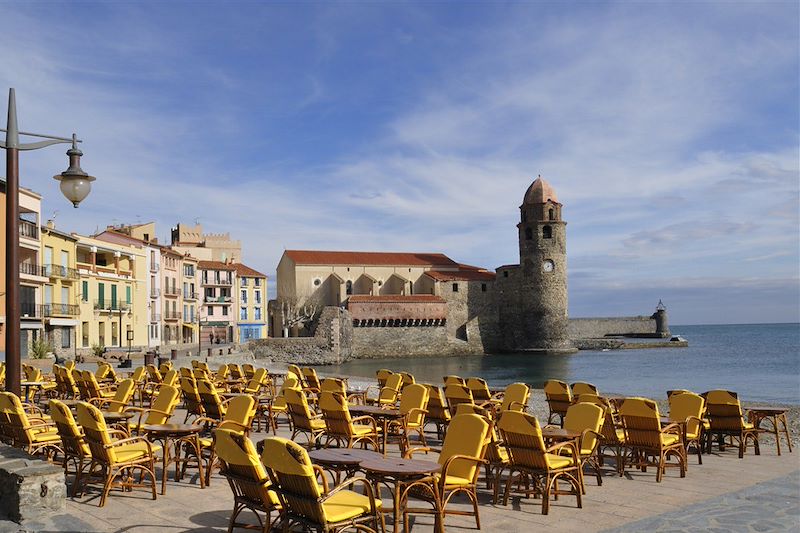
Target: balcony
{"points": [[28, 230], [225, 282], [61, 310], [172, 315], [155, 292], [60, 271], [154, 267], [172, 291], [32, 269], [31, 310], [218, 299], [188, 295], [111, 305], [155, 317]]}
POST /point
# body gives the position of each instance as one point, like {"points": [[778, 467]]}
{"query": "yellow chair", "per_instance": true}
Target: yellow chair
{"points": [[528, 456], [238, 417], [160, 410], [165, 367], [587, 418], [453, 380], [645, 437], [438, 413], [235, 372], [105, 372], [303, 420], [3, 374], [247, 478], [313, 507], [456, 395], [121, 399], [294, 369], [461, 456], [191, 398], [278, 406], [334, 385], [76, 451], [581, 387], [388, 395], [408, 379], [341, 428], [724, 413], [257, 381], [382, 375], [480, 389], [213, 405], [515, 397], [613, 434], [311, 379], [413, 407], [113, 458], [559, 398], [93, 389], [687, 408], [34, 434], [249, 370]]}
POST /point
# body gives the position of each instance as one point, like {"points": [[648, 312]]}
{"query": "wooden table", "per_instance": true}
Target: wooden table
{"points": [[559, 434], [774, 415], [31, 384], [359, 395], [339, 460], [385, 416], [395, 473], [175, 435], [118, 418]]}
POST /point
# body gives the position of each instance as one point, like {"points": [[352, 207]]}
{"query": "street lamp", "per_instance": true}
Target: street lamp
{"points": [[75, 184]]}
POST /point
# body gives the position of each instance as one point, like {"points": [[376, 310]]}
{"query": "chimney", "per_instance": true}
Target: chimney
{"points": [[51, 224]]}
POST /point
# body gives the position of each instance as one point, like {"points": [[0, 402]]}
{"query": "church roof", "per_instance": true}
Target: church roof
{"points": [[461, 275], [540, 192], [316, 257]]}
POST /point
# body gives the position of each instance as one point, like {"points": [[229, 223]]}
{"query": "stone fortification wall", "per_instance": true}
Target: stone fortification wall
{"points": [[400, 342], [472, 319], [593, 328]]}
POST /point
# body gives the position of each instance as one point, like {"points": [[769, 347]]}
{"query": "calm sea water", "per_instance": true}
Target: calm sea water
{"points": [[760, 361]]}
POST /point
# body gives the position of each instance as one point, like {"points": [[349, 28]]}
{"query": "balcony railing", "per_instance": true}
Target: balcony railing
{"points": [[172, 291], [111, 305], [172, 315], [155, 317], [155, 292], [28, 229], [154, 267], [189, 295], [61, 310], [217, 281], [61, 271], [32, 269], [31, 310], [218, 299]]}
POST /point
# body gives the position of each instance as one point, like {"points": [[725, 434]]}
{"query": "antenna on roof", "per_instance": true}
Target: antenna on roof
{"points": [[196, 221], [54, 215]]}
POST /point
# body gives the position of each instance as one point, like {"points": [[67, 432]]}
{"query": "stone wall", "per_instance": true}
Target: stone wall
{"points": [[30, 487], [593, 328], [472, 319], [407, 342]]}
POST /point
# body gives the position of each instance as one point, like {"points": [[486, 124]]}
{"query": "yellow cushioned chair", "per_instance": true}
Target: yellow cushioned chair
{"points": [[191, 398], [33, 434], [725, 417], [515, 397], [343, 429], [313, 507], [461, 456], [160, 410], [453, 380], [119, 401], [480, 389], [528, 456], [76, 451], [438, 413], [382, 375], [457, 394], [688, 408], [303, 420], [388, 394], [587, 418], [116, 458], [645, 437], [413, 407], [581, 387], [559, 398]]}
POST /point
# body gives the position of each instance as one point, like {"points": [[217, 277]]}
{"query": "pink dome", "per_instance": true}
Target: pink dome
{"points": [[540, 192]]}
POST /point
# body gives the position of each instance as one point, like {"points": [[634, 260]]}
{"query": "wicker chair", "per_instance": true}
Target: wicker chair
{"points": [[480, 389], [528, 456], [724, 413], [688, 408], [191, 398], [413, 407], [645, 437], [388, 394], [581, 387], [344, 430], [160, 410], [587, 418], [33, 434], [559, 398], [382, 375], [122, 397], [456, 395], [73, 444], [313, 507], [303, 420], [438, 413]]}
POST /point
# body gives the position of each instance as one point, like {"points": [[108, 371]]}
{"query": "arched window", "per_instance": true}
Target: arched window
{"points": [[528, 234], [552, 214], [348, 287], [547, 232]]}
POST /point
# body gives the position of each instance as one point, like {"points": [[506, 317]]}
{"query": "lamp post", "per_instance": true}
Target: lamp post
{"points": [[75, 184]]}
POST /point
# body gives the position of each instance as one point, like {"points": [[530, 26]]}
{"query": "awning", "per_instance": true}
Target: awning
{"points": [[189, 326], [215, 324], [31, 325], [63, 322]]}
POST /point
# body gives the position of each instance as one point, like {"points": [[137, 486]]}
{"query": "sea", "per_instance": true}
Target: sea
{"points": [[761, 362]]}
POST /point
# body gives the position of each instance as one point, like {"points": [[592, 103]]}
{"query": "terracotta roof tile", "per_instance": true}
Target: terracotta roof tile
{"points": [[244, 270], [316, 257], [214, 265], [461, 275], [395, 298]]}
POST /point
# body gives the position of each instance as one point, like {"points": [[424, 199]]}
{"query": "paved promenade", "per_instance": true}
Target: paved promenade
{"points": [[725, 493]]}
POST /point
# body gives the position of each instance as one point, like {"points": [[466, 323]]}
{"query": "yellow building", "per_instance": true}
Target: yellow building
{"points": [[251, 303], [60, 292], [113, 296]]}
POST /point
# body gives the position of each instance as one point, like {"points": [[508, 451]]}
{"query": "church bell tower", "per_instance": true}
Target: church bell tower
{"points": [[543, 273]]}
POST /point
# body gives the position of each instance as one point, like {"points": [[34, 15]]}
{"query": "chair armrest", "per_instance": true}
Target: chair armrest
{"points": [[459, 457], [672, 427], [204, 421], [513, 403], [119, 431], [410, 453], [567, 444], [236, 425], [368, 418], [130, 440], [321, 474]]}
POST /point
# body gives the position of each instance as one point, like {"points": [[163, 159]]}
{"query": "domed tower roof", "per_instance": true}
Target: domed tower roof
{"points": [[540, 192]]}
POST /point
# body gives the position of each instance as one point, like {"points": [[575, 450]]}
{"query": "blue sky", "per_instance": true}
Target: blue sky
{"points": [[670, 132]]}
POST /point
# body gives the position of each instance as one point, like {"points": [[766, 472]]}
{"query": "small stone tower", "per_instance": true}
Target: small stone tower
{"points": [[542, 283]]}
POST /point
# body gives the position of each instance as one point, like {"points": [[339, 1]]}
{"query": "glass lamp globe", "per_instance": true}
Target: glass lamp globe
{"points": [[75, 183]]}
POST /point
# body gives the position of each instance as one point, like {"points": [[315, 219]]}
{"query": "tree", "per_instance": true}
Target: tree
{"points": [[298, 313]]}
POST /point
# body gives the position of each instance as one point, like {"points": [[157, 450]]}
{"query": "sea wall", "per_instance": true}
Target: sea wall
{"points": [[593, 328], [377, 342]]}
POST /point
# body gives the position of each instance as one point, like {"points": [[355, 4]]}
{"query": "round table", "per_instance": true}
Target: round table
{"points": [[339, 460], [118, 419], [559, 434], [395, 473], [385, 416], [175, 435], [30, 384], [776, 416]]}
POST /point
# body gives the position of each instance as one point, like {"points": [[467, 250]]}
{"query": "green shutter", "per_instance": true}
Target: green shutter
{"points": [[85, 291], [101, 294], [128, 294], [113, 297]]}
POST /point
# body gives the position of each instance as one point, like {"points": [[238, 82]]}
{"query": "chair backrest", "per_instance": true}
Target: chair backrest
{"points": [[522, 437], [479, 388], [90, 382], [242, 466], [583, 416], [388, 394], [165, 367], [515, 397], [382, 375], [153, 374], [72, 439], [676, 391], [466, 435], [166, 401], [294, 369], [723, 410], [437, 408], [336, 414], [241, 410], [139, 374], [235, 371], [641, 422], [334, 385], [222, 372], [414, 402], [457, 394], [453, 380], [294, 478], [185, 372], [194, 404], [685, 405], [258, 374], [105, 371], [209, 397], [69, 364], [96, 433], [470, 409], [170, 377], [249, 370], [83, 390], [298, 408], [407, 379], [124, 393], [311, 378], [19, 427], [559, 396], [581, 387]]}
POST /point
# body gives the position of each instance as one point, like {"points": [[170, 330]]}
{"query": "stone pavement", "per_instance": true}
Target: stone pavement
{"points": [[757, 493]]}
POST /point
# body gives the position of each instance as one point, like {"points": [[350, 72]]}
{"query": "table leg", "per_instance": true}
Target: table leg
{"points": [[782, 418], [385, 431], [396, 506], [164, 463]]}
